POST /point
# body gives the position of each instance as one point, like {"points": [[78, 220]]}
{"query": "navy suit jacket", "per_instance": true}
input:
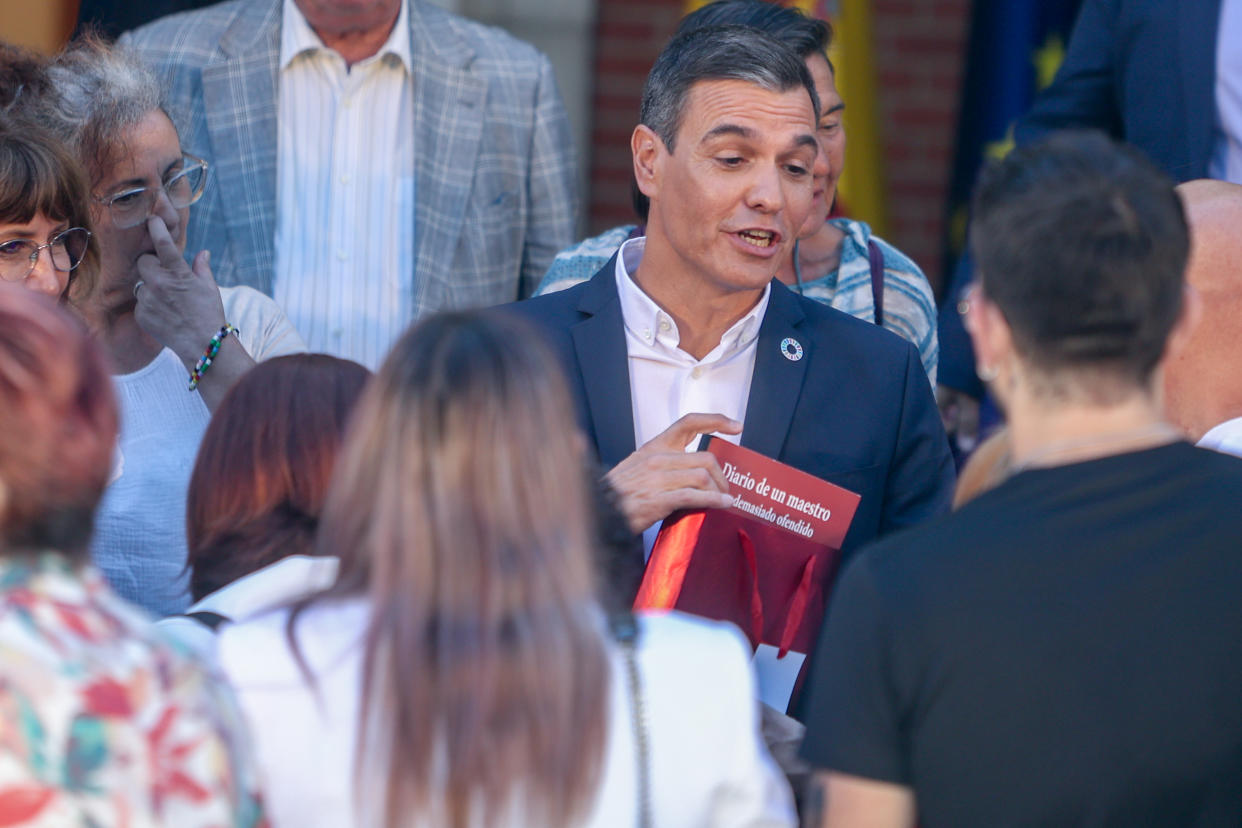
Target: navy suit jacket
{"points": [[856, 410], [1143, 71]]}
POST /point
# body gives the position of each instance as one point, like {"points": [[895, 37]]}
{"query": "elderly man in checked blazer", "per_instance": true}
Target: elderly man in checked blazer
{"points": [[373, 160]]}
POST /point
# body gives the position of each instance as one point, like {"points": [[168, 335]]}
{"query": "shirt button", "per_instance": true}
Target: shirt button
{"points": [[342, 255], [344, 179], [647, 334], [347, 103], [664, 326], [697, 373]]}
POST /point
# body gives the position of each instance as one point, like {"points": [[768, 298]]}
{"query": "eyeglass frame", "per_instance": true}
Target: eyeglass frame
{"points": [[39, 248], [196, 163]]}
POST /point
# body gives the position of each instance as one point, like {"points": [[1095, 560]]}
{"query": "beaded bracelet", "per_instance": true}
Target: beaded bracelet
{"points": [[213, 348]]}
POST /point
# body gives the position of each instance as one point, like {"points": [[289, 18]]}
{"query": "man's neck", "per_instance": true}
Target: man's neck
{"points": [[1053, 435], [702, 316], [356, 45]]}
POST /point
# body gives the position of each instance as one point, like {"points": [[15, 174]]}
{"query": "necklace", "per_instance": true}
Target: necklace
{"points": [[1115, 442]]}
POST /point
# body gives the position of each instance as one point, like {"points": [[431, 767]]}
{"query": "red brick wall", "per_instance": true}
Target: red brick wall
{"points": [[919, 48]]}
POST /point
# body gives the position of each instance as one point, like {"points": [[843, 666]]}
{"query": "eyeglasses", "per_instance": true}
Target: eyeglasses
{"points": [[19, 256], [129, 208]]}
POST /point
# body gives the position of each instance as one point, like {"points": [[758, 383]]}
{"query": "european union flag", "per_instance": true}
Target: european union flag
{"points": [[1016, 47]]}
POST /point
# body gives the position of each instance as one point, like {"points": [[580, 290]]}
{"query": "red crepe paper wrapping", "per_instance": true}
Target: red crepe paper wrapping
{"points": [[710, 564], [740, 565]]}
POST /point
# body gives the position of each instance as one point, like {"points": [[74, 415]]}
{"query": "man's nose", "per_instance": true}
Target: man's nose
{"points": [[767, 190], [164, 209]]}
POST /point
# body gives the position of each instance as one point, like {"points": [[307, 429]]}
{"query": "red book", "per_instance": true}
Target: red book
{"points": [[766, 563]]}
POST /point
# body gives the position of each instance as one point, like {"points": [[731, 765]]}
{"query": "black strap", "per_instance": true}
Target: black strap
{"points": [[211, 620], [876, 257]]}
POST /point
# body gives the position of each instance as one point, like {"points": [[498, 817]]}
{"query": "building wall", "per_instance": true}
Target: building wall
{"points": [[920, 47]]}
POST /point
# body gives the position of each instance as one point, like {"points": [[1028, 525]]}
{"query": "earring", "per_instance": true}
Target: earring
{"points": [[987, 373]]}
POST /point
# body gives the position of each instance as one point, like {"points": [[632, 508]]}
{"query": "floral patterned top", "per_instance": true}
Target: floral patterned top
{"points": [[101, 722]]}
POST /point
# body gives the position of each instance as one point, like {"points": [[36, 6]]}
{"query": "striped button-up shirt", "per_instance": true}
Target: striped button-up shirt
{"points": [[345, 223]]}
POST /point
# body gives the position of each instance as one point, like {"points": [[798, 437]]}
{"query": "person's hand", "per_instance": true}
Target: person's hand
{"points": [[960, 413], [177, 304], [661, 476]]}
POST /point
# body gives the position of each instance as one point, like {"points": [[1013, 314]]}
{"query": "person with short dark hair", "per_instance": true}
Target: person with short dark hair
{"points": [[1063, 649], [257, 489], [837, 261], [686, 331], [104, 724]]}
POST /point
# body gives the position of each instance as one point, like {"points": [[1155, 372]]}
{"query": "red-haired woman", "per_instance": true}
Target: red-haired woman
{"points": [[461, 670], [100, 724], [257, 489]]}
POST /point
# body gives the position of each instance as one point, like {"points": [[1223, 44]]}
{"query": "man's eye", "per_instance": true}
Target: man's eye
{"points": [[827, 127], [796, 169], [731, 160]]}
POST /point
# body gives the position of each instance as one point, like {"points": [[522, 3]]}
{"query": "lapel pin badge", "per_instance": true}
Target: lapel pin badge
{"points": [[791, 348]]}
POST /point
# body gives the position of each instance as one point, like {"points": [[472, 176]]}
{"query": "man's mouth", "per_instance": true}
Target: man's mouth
{"points": [[758, 238]]}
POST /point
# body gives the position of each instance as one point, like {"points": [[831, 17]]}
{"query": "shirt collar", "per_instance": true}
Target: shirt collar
{"points": [[296, 37], [647, 321]]}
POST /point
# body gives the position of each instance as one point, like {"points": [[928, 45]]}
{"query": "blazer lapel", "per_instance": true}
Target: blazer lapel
{"points": [[448, 122], [1198, 21], [776, 383], [240, 100], [603, 363]]}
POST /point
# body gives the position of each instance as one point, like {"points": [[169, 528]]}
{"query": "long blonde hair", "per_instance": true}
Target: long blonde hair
{"points": [[460, 509]]}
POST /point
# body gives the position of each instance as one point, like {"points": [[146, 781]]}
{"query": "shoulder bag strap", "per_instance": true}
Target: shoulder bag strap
{"points": [[625, 630], [876, 257]]}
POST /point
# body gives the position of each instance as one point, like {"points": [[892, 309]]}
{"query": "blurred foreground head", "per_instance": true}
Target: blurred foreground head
{"points": [[58, 426], [1081, 245], [1203, 379], [460, 509]]}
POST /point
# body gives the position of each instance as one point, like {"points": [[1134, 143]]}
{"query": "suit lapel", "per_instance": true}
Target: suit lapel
{"points": [[1198, 21], [241, 104], [776, 383], [603, 363], [448, 122]]}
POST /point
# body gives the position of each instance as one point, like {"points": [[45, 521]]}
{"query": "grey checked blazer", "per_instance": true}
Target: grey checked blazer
{"points": [[494, 177]]}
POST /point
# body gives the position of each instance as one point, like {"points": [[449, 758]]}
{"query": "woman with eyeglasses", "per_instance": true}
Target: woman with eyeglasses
{"points": [[45, 240], [175, 340]]}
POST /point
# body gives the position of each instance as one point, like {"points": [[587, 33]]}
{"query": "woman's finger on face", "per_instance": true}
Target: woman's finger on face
{"points": [[165, 248]]}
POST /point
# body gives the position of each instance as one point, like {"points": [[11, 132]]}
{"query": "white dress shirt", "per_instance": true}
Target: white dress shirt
{"points": [[1226, 437], [345, 185], [666, 383], [1226, 163]]}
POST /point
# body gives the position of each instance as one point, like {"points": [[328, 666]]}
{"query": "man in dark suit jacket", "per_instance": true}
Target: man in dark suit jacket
{"points": [[690, 319], [1143, 71]]}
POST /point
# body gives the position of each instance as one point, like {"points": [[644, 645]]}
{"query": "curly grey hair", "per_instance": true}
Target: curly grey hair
{"points": [[100, 92]]}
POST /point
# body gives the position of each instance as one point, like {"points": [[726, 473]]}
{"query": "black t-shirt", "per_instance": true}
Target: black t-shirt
{"points": [[1065, 650]]}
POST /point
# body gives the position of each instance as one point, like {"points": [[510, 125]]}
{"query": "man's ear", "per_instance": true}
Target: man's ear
{"points": [[647, 150]]}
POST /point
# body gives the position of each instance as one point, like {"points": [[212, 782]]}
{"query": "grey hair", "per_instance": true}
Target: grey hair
{"points": [[100, 92], [731, 52]]}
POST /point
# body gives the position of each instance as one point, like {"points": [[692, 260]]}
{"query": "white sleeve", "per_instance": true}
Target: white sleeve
{"points": [[263, 328]]}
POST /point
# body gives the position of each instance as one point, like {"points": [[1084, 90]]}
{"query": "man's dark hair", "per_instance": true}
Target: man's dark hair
{"points": [[1082, 244], [805, 35], [717, 53]]}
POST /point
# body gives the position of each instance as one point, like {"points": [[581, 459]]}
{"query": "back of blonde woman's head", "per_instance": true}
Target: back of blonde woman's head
{"points": [[460, 509], [58, 426]]}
